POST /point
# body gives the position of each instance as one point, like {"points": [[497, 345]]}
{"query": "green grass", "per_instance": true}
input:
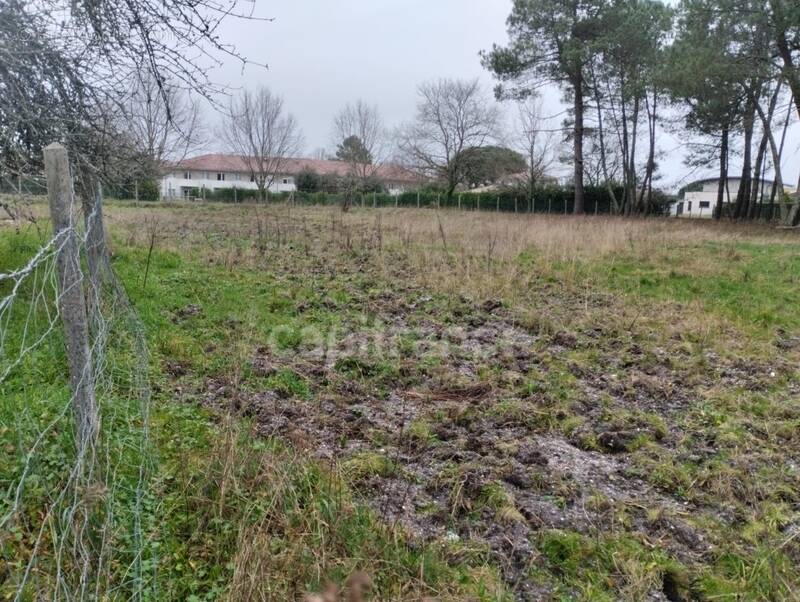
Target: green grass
{"points": [[222, 505], [752, 285]]}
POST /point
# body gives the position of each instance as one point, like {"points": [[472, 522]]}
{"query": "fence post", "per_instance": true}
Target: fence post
{"points": [[438, 200], [396, 197], [72, 304], [479, 202], [459, 201], [374, 199], [417, 199], [595, 206], [497, 201], [515, 204], [549, 205]]}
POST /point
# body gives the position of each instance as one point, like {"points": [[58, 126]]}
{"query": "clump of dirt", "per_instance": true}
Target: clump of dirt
{"points": [[442, 433], [189, 311], [449, 454]]}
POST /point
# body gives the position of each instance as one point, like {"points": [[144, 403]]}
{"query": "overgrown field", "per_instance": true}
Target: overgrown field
{"points": [[461, 405]]}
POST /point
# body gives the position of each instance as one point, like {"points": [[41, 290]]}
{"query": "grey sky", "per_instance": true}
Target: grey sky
{"points": [[325, 53]]}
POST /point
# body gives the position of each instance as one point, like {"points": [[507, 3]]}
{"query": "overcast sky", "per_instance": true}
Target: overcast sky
{"points": [[325, 53]]}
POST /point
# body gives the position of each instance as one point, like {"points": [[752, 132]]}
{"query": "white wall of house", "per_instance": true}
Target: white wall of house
{"points": [[181, 184], [701, 203], [696, 204]]}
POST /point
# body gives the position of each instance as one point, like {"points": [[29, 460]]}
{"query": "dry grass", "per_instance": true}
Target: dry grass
{"points": [[438, 245], [501, 236]]}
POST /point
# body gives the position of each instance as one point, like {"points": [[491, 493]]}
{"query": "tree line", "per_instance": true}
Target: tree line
{"points": [[126, 100], [720, 69]]}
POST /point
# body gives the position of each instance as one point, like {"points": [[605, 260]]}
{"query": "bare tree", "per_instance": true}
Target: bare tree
{"points": [[164, 126], [534, 141], [452, 116], [258, 129], [361, 139], [66, 62]]}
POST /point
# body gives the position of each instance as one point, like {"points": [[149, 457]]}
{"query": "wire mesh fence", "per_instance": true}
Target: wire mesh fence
{"points": [[75, 480]]}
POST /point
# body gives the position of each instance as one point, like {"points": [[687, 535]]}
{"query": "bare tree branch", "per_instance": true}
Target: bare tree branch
{"points": [[258, 129], [452, 115]]}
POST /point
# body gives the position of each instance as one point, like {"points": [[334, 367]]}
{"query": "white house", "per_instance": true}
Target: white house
{"points": [[700, 198], [213, 171]]}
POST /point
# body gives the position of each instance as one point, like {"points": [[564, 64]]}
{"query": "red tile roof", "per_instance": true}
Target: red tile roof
{"points": [[236, 163]]}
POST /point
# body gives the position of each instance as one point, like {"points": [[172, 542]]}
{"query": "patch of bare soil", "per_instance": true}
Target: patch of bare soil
{"points": [[450, 444]]}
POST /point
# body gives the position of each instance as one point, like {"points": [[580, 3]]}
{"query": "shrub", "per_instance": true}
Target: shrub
{"points": [[308, 180]]}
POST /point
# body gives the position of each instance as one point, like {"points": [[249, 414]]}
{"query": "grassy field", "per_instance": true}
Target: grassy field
{"points": [[459, 405]]}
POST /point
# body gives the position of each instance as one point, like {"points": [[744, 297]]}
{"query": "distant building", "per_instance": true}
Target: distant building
{"points": [[699, 198], [214, 171]]}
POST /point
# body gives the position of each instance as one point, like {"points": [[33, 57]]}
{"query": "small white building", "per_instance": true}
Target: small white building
{"points": [[214, 171], [700, 198]]}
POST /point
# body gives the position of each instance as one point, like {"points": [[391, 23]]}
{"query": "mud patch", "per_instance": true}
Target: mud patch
{"points": [[466, 427]]}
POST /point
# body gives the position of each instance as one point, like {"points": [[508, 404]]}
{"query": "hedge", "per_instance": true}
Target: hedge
{"points": [[550, 199]]}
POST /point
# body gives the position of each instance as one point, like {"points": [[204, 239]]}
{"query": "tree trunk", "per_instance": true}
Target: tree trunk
{"points": [[626, 199], [743, 194], [790, 71], [452, 183], [723, 172], [647, 183], [776, 161], [632, 154], [758, 179], [578, 142], [615, 208]]}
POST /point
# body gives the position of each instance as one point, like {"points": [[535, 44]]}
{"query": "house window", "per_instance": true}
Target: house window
{"points": [[285, 180], [689, 207], [705, 204], [187, 175], [252, 178], [220, 177]]}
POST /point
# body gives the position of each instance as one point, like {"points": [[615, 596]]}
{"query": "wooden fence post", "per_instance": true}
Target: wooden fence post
{"points": [[459, 202], [71, 302], [417, 199]]}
